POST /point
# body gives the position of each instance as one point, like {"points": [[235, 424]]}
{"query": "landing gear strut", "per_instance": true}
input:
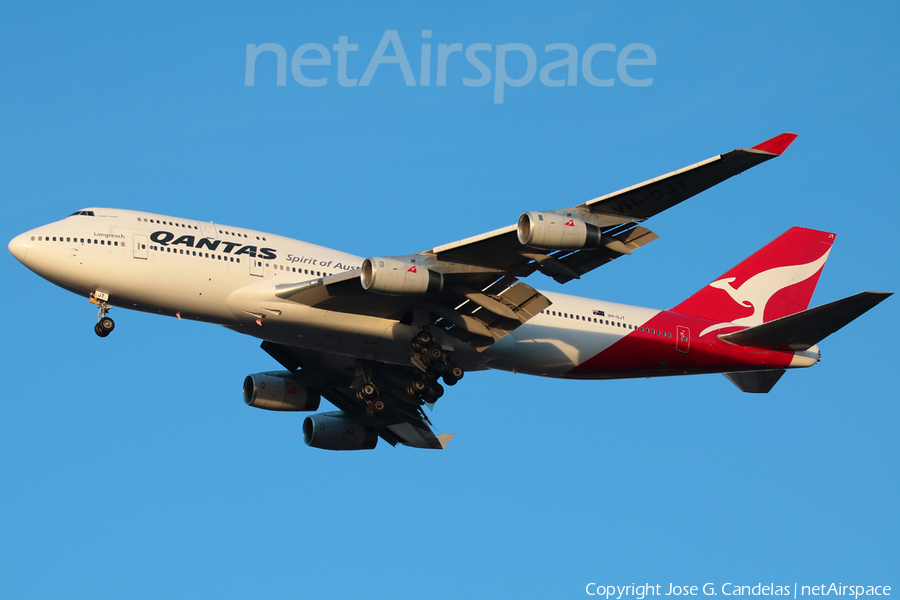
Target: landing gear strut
{"points": [[104, 325]]}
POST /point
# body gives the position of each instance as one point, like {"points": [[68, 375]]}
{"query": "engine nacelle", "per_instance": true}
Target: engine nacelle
{"points": [[271, 392], [549, 231], [398, 278], [337, 431]]}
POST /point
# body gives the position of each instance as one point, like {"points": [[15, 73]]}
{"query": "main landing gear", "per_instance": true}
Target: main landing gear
{"points": [[414, 385], [437, 363], [104, 325]]}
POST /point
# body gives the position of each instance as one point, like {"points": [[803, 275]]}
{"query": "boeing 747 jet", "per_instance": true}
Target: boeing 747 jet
{"points": [[381, 337]]}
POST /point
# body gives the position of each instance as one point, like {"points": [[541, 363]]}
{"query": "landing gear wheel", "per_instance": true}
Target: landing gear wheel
{"points": [[416, 387], [422, 340], [368, 390], [378, 405], [435, 391], [107, 325], [434, 355], [100, 331], [370, 410]]}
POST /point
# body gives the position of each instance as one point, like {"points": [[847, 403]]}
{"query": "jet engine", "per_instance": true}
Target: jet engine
{"points": [[550, 231], [271, 392], [337, 431], [397, 277]]}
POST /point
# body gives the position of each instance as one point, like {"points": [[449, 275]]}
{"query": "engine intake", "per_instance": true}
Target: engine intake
{"points": [[398, 278], [337, 431], [271, 392], [550, 231]]}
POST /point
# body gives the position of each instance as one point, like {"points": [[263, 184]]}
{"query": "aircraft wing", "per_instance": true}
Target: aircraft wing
{"points": [[616, 215], [400, 421], [480, 299]]}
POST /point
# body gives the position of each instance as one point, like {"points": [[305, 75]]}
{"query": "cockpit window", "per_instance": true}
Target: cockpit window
{"points": [[84, 213]]}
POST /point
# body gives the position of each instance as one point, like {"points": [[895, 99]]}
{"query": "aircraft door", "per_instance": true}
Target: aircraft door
{"points": [[256, 267], [140, 246], [208, 230], [683, 340]]}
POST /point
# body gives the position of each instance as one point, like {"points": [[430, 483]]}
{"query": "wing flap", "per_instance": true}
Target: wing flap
{"points": [[583, 261], [481, 326]]}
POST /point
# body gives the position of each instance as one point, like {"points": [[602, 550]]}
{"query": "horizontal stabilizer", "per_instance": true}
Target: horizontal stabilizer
{"points": [[805, 329], [755, 382]]}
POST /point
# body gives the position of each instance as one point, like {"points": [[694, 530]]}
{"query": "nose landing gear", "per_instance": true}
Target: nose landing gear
{"points": [[104, 325]]}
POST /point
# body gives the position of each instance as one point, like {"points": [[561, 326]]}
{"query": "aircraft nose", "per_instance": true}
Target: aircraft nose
{"points": [[18, 246]]}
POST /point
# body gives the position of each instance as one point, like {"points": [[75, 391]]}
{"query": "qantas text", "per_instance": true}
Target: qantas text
{"points": [[167, 238]]}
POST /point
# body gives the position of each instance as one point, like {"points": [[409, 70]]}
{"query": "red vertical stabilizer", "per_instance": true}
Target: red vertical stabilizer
{"points": [[775, 282]]}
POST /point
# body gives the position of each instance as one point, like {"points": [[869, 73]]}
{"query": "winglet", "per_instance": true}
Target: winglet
{"points": [[777, 144], [444, 439]]}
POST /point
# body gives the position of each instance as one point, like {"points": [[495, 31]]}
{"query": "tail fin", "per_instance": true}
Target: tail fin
{"points": [[777, 281]]}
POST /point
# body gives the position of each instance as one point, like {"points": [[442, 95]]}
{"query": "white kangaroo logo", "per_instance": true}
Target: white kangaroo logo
{"points": [[758, 290]]}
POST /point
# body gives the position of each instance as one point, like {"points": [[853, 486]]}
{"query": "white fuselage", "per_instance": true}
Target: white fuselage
{"points": [[227, 275]]}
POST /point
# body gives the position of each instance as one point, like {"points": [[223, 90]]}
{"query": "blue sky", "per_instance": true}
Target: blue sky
{"points": [[133, 469]]}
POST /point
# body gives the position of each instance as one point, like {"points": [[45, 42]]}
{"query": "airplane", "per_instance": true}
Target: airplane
{"points": [[376, 336]]}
